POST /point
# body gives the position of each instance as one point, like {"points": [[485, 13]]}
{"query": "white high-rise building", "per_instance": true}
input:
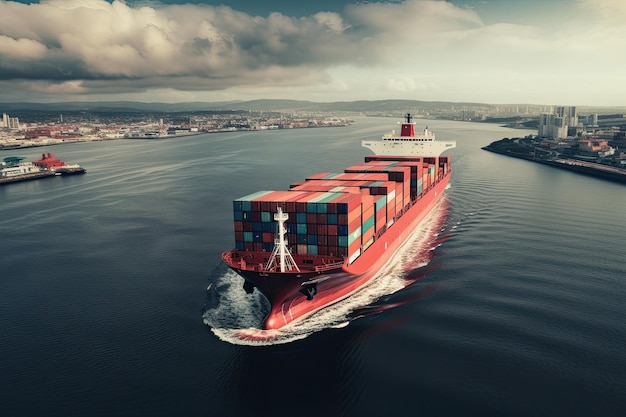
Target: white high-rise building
{"points": [[14, 123], [555, 125], [9, 122]]}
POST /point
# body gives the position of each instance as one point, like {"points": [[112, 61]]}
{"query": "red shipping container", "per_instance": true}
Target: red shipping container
{"points": [[344, 183], [293, 196], [333, 250], [319, 175], [329, 188], [264, 196], [431, 160], [414, 165], [381, 219], [352, 200], [383, 163], [365, 168], [393, 158], [267, 237], [360, 176]]}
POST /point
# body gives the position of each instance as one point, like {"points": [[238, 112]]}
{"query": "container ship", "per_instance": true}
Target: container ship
{"points": [[328, 235]]}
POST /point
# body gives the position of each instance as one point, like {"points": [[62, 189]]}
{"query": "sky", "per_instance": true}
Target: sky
{"points": [[552, 52]]}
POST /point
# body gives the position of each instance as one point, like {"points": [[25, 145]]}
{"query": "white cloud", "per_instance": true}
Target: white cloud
{"points": [[332, 21], [21, 48], [67, 87], [607, 9], [414, 49]]}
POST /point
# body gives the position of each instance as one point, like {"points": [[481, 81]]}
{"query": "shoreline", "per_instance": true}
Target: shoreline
{"points": [[591, 169], [6, 146]]}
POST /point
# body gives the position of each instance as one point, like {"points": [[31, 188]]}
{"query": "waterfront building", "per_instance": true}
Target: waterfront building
{"points": [[9, 122], [590, 120], [38, 132], [596, 146], [559, 123]]}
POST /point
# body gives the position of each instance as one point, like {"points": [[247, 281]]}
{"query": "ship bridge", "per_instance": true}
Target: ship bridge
{"points": [[409, 143]]}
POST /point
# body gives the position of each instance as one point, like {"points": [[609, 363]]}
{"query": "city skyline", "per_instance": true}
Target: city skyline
{"points": [[538, 52]]}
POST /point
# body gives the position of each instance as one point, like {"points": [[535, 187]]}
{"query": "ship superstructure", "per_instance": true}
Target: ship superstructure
{"points": [[15, 169], [327, 236], [15, 166], [408, 142]]}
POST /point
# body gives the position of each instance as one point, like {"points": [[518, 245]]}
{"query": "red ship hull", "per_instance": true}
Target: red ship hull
{"points": [[294, 295]]}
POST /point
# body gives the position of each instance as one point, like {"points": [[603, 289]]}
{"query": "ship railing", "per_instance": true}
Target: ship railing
{"points": [[326, 267]]}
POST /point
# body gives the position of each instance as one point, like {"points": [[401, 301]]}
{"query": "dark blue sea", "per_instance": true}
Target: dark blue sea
{"points": [[509, 300]]}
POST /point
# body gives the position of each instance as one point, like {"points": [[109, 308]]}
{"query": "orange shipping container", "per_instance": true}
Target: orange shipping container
{"points": [[381, 219], [368, 213]]}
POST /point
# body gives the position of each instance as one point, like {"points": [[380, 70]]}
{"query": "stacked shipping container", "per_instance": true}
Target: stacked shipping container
{"points": [[337, 214]]}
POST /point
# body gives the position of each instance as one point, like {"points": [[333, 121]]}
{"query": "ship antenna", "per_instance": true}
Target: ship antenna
{"points": [[280, 246]]}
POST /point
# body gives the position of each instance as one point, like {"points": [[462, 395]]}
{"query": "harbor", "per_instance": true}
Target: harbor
{"points": [[527, 148]]}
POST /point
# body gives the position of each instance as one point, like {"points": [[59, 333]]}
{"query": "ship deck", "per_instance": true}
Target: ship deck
{"points": [[256, 261], [26, 177]]}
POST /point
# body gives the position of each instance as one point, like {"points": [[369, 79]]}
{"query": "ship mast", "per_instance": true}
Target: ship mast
{"points": [[280, 246]]}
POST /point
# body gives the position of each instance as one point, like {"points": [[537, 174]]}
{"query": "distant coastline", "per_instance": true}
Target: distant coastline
{"points": [[17, 147], [13, 143]]}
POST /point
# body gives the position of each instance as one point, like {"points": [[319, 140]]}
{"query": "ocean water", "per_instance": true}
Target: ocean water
{"points": [[509, 299]]}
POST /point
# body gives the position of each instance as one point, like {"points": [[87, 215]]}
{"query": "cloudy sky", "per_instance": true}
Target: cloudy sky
{"points": [[570, 52]]}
